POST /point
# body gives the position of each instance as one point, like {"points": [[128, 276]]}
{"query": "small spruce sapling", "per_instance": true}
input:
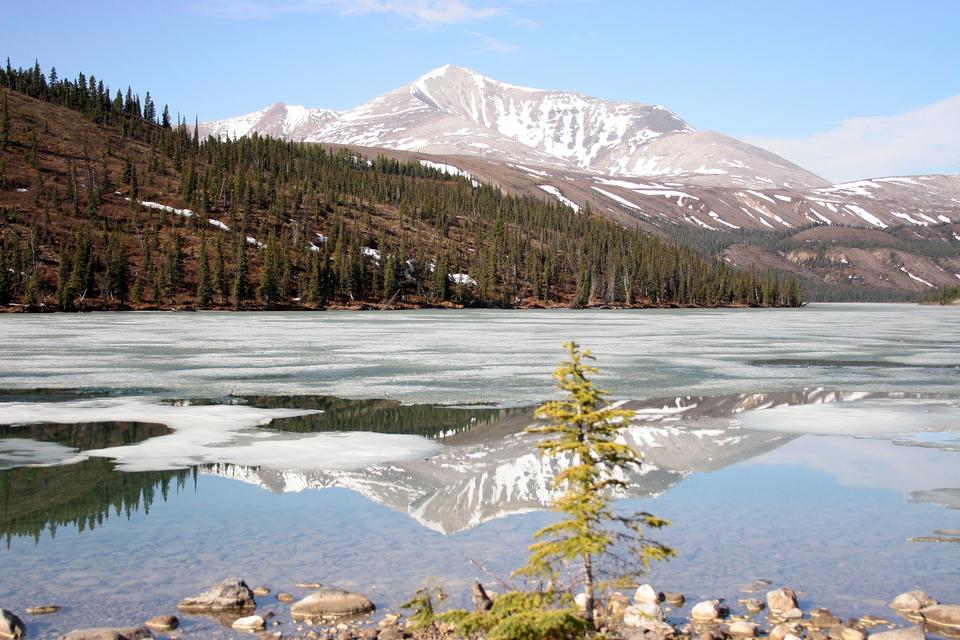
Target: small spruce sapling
{"points": [[582, 432]]}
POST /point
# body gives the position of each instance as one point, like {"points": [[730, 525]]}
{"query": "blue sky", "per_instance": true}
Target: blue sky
{"points": [[781, 74]]}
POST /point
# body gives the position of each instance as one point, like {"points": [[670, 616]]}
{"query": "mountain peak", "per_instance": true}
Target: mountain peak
{"points": [[456, 110]]}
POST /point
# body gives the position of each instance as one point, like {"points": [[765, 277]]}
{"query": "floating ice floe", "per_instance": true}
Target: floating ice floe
{"points": [[209, 434]]}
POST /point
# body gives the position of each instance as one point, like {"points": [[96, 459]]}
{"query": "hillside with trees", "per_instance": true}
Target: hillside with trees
{"points": [[106, 202]]}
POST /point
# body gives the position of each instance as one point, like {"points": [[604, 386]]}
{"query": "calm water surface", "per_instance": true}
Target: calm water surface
{"points": [[376, 451]]}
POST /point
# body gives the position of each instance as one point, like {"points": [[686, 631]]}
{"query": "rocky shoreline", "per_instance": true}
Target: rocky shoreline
{"points": [[334, 614]]}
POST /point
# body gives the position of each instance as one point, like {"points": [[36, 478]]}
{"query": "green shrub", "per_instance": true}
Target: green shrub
{"points": [[520, 615]]}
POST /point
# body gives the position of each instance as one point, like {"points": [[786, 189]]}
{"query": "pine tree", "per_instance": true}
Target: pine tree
{"points": [[34, 286], [240, 289], [81, 269], [269, 288], [204, 286], [391, 281], [6, 281], [118, 268], [584, 430], [441, 279], [219, 270], [4, 124]]}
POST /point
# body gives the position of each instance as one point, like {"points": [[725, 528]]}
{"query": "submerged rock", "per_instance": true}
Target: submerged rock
{"points": [[230, 594], [849, 633], [912, 601], [43, 609], [753, 605], [757, 585], [261, 591], [943, 616], [163, 623], [675, 599], [782, 599], [823, 618], [909, 633], [284, 597], [11, 626], [332, 602], [107, 633]]}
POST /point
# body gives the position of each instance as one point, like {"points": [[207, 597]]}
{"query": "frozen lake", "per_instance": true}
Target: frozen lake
{"points": [[145, 456]]}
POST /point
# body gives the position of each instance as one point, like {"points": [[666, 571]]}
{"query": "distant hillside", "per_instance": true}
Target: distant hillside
{"points": [[107, 204]]}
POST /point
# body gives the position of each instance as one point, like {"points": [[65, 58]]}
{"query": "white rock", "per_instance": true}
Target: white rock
{"points": [[646, 593], [706, 610], [249, 623]]}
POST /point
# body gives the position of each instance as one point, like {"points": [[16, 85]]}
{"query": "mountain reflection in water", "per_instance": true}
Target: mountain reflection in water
{"points": [[487, 469]]}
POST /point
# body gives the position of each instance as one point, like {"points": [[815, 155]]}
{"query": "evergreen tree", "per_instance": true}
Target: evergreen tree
{"points": [[269, 289], [118, 269], [441, 279], [204, 285], [583, 431], [391, 280], [240, 289], [219, 270], [34, 287], [80, 281], [4, 124], [6, 280]]}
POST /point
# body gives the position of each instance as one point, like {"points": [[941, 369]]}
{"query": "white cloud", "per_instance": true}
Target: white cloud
{"points": [[430, 12], [488, 44], [925, 140]]}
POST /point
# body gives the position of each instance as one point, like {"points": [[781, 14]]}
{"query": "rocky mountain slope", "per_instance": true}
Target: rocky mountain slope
{"points": [[452, 110]]}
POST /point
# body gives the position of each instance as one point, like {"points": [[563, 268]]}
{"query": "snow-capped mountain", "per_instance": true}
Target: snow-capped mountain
{"points": [[456, 111], [643, 165], [288, 121]]}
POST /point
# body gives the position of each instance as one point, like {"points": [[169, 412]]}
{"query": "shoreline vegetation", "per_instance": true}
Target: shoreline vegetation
{"points": [[638, 613], [105, 204]]}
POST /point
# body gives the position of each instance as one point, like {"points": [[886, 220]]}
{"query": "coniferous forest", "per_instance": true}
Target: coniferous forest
{"points": [[109, 202]]}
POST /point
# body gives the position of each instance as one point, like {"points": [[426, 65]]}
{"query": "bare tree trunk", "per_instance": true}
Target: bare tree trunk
{"points": [[588, 590]]}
